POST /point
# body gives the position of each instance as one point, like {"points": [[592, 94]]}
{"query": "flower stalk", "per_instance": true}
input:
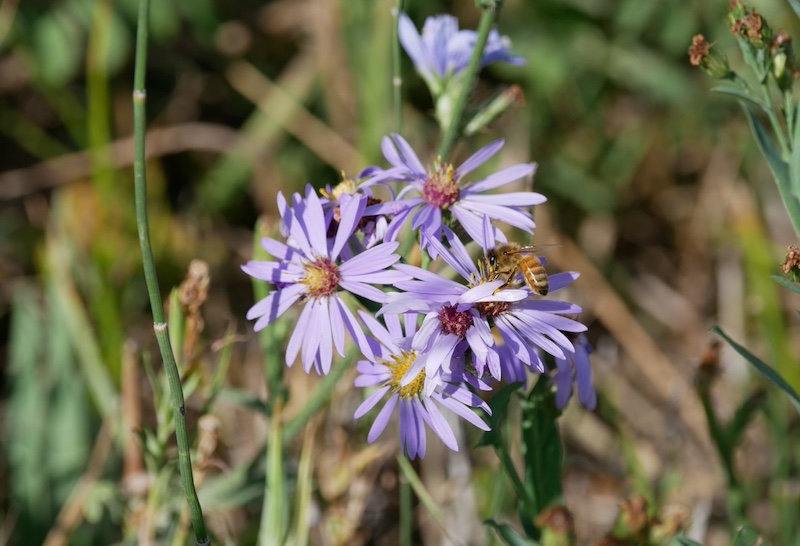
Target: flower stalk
{"points": [[490, 10], [397, 79], [157, 306]]}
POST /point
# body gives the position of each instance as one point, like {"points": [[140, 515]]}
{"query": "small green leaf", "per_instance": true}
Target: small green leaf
{"points": [[508, 535], [786, 283], [747, 536], [779, 168], [762, 367], [739, 94]]}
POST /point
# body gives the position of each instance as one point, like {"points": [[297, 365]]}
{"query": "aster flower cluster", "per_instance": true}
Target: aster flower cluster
{"points": [[442, 334]]}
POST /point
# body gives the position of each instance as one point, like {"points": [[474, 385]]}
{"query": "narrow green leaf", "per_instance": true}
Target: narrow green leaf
{"points": [[232, 490], [245, 399], [744, 414], [762, 367], [747, 536], [779, 168], [176, 325], [786, 283], [499, 405], [541, 447], [794, 159], [683, 541], [508, 535], [739, 94]]}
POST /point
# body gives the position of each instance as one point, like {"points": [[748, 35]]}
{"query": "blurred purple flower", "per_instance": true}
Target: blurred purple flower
{"points": [[388, 369], [575, 367], [442, 51], [442, 189], [314, 267]]}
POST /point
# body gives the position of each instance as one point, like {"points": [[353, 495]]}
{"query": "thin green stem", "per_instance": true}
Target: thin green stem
{"points": [[273, 514], [157, 307], [773, 118], [397, 80], [490, 10], [510, 470], [407, 471], [406, 515]]}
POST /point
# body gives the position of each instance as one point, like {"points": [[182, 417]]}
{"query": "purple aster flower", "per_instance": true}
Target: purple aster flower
{"points": [[372, 227], [389, 369], [533, 323], [431, 194], [442, 51], [575, 367], [313, 268], [453, 310]]}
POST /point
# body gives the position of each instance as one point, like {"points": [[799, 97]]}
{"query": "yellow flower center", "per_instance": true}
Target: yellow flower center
{"points": [[399, 366], [322, 278], [346, 186]]}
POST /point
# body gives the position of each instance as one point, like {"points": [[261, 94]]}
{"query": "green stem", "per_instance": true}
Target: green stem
{"points": [[406, 519], [490, 10], [397, 80], [773, 118], [508, 465], [159, 323], [272, 515]]}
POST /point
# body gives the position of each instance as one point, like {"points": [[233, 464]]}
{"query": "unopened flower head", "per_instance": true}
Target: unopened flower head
{"points": [[313, 268], [442, 51], [437, 196], [371, 227], [392, 372]]}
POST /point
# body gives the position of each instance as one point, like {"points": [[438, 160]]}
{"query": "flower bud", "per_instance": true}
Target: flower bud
{"points": [[712, 62], [791, 266], [783, 61], [749, 26], [558, 527]]}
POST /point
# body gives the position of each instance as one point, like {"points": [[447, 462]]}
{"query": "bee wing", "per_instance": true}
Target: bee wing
{"points": [[533, 249]]}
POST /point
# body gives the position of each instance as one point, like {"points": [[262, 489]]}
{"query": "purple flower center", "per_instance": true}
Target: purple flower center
{"points": [[399, 366], [441, 187], [493, 308], [454, 321], [322, 278]]}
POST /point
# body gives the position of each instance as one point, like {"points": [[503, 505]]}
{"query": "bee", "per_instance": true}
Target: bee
{"points": [[506, 260]]}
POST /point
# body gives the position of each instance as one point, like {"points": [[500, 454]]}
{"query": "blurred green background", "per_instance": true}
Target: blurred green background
{"points": [[657, 196]]}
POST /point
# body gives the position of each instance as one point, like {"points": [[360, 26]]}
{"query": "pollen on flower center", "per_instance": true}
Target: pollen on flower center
{"points": [[454, 321], [322, 278], [441, 187], [399, 366]]}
